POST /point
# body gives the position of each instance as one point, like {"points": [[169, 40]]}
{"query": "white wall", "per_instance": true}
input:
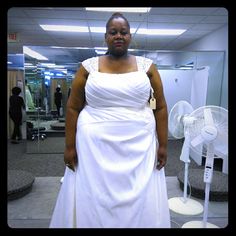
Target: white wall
{"points": [[216, 41], [177, 85], [199, 88]]}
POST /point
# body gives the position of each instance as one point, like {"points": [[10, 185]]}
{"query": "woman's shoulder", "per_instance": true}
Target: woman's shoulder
{"points": [[90, 64]]}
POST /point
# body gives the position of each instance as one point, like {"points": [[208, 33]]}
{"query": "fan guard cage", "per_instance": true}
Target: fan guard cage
{"points": [[220, 120]]}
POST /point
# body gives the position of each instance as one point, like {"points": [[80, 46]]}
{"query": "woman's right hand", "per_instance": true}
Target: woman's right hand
{"points": [[70, 158]]}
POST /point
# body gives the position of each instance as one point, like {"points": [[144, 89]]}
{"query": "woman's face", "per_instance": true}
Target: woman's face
{"points": [[118, 37]]}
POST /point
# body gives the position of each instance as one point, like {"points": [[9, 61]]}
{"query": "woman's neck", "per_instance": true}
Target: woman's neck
{"points": [[118, 57]]}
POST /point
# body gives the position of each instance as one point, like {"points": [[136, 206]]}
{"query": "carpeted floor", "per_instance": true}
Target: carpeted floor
{"points": [[46, 159]]}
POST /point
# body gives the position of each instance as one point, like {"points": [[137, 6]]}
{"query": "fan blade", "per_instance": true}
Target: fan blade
{"points": [[184, 156], [208, 117], [197, 140]]}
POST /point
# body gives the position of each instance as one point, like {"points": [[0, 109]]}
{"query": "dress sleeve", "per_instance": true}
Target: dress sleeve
{"points": [[90, 64], [143, 63], [147, 63]]}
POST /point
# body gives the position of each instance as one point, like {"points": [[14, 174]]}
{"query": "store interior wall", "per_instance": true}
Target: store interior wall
{"points": [[217, 41]]}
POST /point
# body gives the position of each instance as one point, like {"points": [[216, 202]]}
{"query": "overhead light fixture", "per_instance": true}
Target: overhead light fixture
{"points": [[33, 54], [48, 64], [100, 52], [103, 30], [58, 47], [52, 65], [185, 68], [65, 28], [100, 48], [98, 29], [160, 31], [120, 9], [68, 28]]}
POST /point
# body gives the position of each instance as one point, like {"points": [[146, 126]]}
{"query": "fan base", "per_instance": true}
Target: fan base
{"points": [[187, 207], [198, 224]]}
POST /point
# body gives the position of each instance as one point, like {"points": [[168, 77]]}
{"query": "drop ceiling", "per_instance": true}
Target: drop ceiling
{"points": [[25, 21]]}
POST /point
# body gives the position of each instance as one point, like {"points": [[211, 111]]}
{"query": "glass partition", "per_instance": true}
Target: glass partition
{"points": [[45, 118], [179, 70]]}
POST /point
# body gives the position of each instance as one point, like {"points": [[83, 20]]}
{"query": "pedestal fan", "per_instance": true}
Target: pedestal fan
{"points": [[210, 129], [179, 121]]}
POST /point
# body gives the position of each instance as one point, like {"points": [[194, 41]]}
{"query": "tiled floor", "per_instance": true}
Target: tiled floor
{"points": [[34, 210]]}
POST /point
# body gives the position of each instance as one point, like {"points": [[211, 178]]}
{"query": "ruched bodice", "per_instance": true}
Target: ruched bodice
{"points": [[117, 90]]}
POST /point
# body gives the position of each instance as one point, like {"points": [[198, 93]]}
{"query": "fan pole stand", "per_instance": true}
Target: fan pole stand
{"points": [[198, 224], [208, 173], [184, 205], [203, 223]]}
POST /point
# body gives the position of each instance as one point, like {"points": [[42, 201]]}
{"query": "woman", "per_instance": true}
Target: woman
{"points": [[15, 112], [114, 175], [57, 100]]}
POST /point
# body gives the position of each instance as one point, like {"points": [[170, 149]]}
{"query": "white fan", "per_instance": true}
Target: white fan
{"points": [[209, 129], [179, 122]]}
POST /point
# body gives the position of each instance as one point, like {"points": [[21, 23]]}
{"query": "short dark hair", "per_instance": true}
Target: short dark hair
{"points": [[114, 16], [16, 90]]}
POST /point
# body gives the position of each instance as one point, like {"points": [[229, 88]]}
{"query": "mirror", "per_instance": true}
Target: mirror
{"points": [[45, 122]]}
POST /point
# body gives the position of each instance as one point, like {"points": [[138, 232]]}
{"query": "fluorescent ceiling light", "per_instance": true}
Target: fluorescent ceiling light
{"points": [[185, 68], [120, 9], [160, 31], [59, 66], [30, 66], [70, 47], [100, 52], [100, 48], [98, 29], [145, 31], [51, 65], [48, 64], [103, 30], [33, 54], [65, 28]]}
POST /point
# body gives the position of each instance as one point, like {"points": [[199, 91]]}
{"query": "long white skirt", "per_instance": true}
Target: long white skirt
{"points": [[116, 183]]}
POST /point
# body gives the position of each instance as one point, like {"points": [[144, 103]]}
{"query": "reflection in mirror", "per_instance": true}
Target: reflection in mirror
{"points": [[15, 77], [45, 124]]}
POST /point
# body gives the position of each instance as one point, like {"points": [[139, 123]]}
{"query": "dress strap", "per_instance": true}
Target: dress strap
{"points": [[143, 63], [91, 64]]}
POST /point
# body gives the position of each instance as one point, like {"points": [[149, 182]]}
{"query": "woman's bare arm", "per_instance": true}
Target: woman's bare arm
{"points": [[75, 104], [161, 115]]}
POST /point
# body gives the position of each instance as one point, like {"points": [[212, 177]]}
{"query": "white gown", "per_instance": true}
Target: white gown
{"points": [[116, 183]]}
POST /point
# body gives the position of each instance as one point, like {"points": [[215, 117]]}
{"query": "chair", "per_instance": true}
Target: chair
{"points": [[34, 133]]}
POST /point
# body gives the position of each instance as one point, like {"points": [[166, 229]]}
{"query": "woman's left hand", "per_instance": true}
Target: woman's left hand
{"points": [[161, 157]]}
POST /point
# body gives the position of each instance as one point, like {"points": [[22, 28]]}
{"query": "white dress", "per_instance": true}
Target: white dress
{"points": [[116, 183]]}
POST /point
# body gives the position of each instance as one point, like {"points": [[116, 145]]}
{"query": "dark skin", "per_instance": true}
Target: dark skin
{"points": [[118, 38]]}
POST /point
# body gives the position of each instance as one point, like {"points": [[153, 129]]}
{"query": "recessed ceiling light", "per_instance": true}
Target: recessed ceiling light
{"points": [[145, 31], [160, 31], [66, 28], [120, 9], [103, 30]]}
